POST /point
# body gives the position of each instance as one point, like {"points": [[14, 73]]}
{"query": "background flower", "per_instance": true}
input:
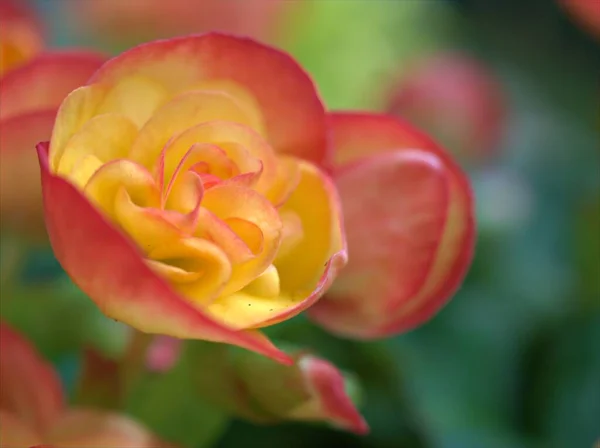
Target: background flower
{"points": [[33, 411], [21, 36], [408, 210], [124, 24], [457, 100], [30, 96]]}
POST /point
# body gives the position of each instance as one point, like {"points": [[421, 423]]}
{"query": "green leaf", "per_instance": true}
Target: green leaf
{"points": [[352, 48], [564, 385], [169, 405], [60, 319]]}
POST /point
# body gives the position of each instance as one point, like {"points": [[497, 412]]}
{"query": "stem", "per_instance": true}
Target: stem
{"points": [[12, 258], [134, 361], [105, 382], [98, 385]]}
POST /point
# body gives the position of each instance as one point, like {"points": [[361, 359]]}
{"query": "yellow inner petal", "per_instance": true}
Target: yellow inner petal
{"points": [[198, 256], [107, 137], [315, 203], [136, 97], [75, 111], [180, 113], [245, 99]]}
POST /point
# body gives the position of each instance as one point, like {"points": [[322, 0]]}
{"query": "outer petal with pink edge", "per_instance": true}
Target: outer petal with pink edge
{"points": [[45, 81], [293, 113], [408, 211], [31, 392], [108, 267]]}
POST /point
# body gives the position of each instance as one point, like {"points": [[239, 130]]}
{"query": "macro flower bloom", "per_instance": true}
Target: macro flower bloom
{"points": [[33, 409], [183, 193], [29, 98], [21, 36], [260, 390], [408, 211], [457, 100]]}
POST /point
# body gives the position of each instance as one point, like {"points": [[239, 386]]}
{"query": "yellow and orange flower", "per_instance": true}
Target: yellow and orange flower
{"points": [[29, 99], [457, 99], [408, 210], [33, 409], [183, 192], [20, 35]]}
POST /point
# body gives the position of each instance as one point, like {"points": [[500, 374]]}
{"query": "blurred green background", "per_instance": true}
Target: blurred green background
{"points": [[514, 360]]}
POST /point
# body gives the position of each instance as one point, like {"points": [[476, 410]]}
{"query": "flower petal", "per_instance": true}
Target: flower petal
{"points": [[232, 204], [183, 112], [86, 428], [410, 226], [21, 207], [308, 269], [46, 80], [107, 137], [235, 140], [327, 385], [107, 266], [357, 135], [293, 113], [458, 100], [31, 389]]}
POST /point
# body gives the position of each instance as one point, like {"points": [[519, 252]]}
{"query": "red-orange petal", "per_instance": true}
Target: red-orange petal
{"points": [[293, 112], [110, 269], [31, 389], [328, 386], [409, 223], [46, 80]]}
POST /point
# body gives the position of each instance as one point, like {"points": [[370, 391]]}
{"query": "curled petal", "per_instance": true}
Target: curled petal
{"points": [[46, 80], [240, 143], [410, 227], [254, 220], [331, 403], [31, 390], [86, 428], [183, 112], [74, 112], [308, 268], [295, 122], [107, 137], [110, 269]]}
